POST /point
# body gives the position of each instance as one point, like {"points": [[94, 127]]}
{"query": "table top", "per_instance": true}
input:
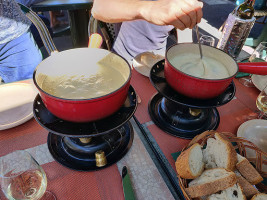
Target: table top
{"points": [[151, 148], [106, 184], [53, 5], [232, 115]]}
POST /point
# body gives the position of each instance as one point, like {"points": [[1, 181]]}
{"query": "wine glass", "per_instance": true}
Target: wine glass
{"points": [[22, 177], [261, 103], [207, 40], [258, 55]]}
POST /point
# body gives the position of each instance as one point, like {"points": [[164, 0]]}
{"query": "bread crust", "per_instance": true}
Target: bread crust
{"points": [[247, 170], [256, 195], [248, 189], [232, 157], [211, 187], [182, 164]]}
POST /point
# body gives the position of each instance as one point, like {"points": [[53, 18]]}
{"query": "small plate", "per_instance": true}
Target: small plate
{"points": [[255, 131], [259, 81], [16, 104], [144, 62]]}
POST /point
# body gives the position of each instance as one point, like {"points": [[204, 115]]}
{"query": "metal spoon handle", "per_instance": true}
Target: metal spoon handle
{"points": [[199, 45]]}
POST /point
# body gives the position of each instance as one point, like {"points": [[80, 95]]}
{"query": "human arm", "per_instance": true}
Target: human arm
{"points": [[179, 13]]}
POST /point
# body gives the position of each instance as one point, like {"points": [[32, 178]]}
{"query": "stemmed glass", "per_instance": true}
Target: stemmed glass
{"points": [[261, 103], [259, 55], [22, 177]]}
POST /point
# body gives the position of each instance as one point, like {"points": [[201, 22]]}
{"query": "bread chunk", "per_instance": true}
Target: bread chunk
{"points": [[247, 170], [189, 164], [219, 153], [260, 196], [248, 189], [210, 182], [231, 193]]}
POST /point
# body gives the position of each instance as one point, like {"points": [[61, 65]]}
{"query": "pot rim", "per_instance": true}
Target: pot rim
{"points": [[95, 98], [198, 78]]}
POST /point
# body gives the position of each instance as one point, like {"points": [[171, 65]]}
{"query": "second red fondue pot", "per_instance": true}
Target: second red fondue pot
{"points": [[202, 88], [82, 61]]}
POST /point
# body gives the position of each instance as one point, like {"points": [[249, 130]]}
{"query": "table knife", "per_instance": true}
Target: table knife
{"points": [[127, 185]]}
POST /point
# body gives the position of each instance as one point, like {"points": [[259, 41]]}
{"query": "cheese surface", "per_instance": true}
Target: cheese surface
{"points": [[192, 64]]}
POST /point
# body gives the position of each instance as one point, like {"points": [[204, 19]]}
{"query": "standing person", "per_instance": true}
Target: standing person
{"points": [[146, 24], [19, 54]]}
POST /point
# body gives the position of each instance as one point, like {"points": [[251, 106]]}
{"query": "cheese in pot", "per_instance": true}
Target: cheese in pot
{"points": [[192, 64], [104, 80]]}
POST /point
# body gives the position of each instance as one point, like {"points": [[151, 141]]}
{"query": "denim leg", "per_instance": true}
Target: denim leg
{"points": [[19, 58]]}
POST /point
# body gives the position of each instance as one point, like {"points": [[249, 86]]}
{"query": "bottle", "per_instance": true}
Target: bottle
{"points": [[245, 10]]}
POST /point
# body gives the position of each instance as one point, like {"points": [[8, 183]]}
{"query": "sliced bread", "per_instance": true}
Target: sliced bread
{"points": [[247, 170], [248, 189], [260, 196], [219, 153], [231, 193], [189, 164], [210, 182]]}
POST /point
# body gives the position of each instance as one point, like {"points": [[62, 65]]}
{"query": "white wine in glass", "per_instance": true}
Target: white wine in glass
{"points": [[22, 177], [261, 102]]}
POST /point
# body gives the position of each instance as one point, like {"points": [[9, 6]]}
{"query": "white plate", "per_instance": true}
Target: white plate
{"points": [[16, 104], [259, 81], [144, 62], [255, 131]]}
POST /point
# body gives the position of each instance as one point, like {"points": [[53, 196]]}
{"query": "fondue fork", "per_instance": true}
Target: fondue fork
{"points": [[199, 45], [200, 48]]}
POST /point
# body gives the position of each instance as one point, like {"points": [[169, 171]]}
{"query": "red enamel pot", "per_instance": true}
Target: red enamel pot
{"points": [[79, 62], [82, 61], [201, 88]]}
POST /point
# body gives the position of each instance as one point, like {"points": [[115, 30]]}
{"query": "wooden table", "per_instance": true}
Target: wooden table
{"points": [[79, 11]]}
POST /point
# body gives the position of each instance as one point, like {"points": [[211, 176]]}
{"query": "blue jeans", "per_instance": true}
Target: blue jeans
{"points": [[19, 58]]}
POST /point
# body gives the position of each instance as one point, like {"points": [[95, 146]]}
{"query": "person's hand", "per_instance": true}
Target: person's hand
{"points": [[179, 13]]}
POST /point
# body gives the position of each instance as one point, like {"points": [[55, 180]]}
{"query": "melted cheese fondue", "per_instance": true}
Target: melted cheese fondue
{"points": [[104, 80], [206, 67]]}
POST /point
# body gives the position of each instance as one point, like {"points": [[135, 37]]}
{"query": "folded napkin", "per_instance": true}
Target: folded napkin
{"points": [[175, 155]]}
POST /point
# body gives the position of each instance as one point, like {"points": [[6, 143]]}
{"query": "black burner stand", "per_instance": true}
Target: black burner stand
{"points": [[179, 115]]}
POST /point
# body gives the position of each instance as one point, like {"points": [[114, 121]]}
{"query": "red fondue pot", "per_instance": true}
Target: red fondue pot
{"points": [[80, 61], [201, 88]]}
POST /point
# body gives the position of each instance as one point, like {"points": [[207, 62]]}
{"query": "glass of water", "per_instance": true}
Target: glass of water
{"points": [[207, 40]]}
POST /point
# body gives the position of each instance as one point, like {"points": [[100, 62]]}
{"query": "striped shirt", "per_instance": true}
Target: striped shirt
{"points": [[13, 22]]}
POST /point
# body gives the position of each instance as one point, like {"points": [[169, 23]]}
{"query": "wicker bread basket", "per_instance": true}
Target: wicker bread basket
{"points": [[241, 145]]}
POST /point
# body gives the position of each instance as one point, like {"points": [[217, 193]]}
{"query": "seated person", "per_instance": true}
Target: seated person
{"points": [[33, 29], [146, 24], [19, 53]]}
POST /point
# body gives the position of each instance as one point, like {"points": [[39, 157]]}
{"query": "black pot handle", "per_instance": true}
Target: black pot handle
{"points": [[41, 27]]}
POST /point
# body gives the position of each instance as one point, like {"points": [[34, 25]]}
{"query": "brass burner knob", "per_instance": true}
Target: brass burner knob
{"points": [[100, 158], [85, 140], [194, 111]]}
